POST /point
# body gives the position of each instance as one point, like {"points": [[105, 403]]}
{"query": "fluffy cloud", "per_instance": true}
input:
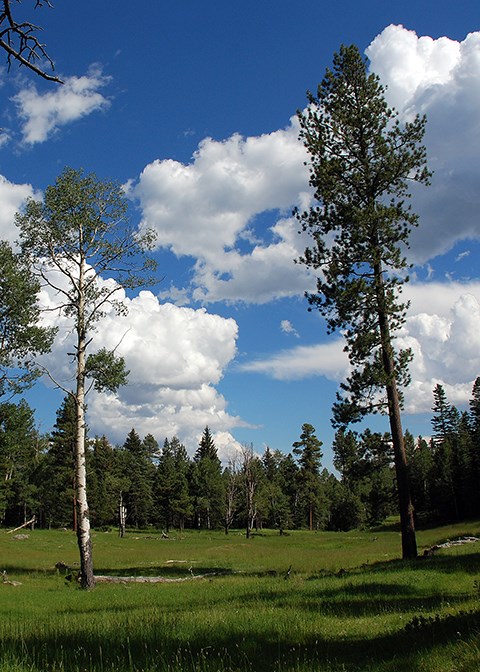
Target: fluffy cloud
{"points": [[227, 208], [442, 329], [43, 114], [439, 78], [325, 359], [208, 210], [287, 327], [176, 357], [12, 197]]}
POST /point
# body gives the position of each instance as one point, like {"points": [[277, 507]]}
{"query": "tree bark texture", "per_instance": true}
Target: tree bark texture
{"points": [[409, 543], [87, 579]]}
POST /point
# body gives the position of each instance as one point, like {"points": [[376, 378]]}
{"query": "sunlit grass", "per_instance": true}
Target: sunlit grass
{"points": [[347, 604]]}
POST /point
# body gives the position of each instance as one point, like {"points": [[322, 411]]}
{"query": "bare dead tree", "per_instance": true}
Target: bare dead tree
{"points": [[19, 40], [232, 487]]}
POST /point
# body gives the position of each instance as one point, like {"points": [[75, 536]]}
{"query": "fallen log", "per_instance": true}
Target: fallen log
{"points": [[449, 544], [6, 581], [20, 527], [150, 579]]}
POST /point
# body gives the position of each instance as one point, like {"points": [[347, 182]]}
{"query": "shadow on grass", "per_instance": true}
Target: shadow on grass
{"points": [[469, 563], [169, 571], [243, 646], [160, 648]]}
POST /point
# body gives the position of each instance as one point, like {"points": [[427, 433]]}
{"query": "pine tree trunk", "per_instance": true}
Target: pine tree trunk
{"points": [[409, 543]]}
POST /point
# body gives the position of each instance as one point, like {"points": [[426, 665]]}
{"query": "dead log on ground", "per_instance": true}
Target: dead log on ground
{"points": [[20, 527], [151, 579]]}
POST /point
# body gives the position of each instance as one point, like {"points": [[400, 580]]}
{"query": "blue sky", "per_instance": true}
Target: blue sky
{"points": [[191, 106]]}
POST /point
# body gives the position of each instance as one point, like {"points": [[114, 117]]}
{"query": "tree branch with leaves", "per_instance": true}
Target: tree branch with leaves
{"points": [[79, 231]]}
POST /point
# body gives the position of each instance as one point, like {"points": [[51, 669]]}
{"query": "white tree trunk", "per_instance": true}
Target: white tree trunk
{"points": [[87, 579]]}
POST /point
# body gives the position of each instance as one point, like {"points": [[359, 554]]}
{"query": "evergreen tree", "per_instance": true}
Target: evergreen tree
{"points": [[308, 451], [452, 458], [171, 485], [444, 416], [346, 509], [21, 338], [288, 480], [165, 486], [206, 447], [18, 458], [421, 468], [151, 448], [207, 483], [474, 417], [361, 163], [182, 506], [278, 513], [346, 456], [105, 484], [378, 487], [140, 474], [56, 474]]}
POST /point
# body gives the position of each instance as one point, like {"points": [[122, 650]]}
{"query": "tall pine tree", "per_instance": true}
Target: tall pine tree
{"points": [[309, 453], [361, 163]]}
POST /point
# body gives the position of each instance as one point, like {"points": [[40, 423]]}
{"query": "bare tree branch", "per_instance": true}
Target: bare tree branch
{"points": [[21, 44]]}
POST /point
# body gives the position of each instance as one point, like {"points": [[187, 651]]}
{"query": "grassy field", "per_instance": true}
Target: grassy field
{"points": [[347, 604]]}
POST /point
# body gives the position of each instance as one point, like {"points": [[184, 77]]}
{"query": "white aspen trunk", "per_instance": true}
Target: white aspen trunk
{"points": [[87, 579]]}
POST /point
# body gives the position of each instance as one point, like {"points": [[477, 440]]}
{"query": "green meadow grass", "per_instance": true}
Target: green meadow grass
{"points": [[348, 604]]}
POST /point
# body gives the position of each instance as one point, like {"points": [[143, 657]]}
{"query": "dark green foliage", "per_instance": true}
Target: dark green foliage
{"points": [[309, 455], [138, 475], [21, 337], [55, 476], [105, 483], [206, 447], [346, 456], [452, 488], [361, 164], [277, 491], [444, 472], [421, 462], [288, 471], [207, 485], [278, 513], [173, 503], [365, 463], [106, 371], [19, 457], [347, 510]]}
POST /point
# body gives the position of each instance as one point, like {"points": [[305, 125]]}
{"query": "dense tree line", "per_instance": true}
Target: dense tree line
{"points": [[162, 486]]}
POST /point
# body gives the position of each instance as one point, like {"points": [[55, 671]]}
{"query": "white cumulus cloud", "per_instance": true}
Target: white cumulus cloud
{"points": [[208, 209], [229, 209], [12, 198], [441, 79], [176, 357], [44, 113], [442, 329]]}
